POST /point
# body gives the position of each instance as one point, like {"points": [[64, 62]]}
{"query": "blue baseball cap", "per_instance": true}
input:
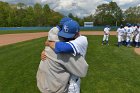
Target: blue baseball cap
{"points": [[69, 29], [127, 24], [65, 19]]}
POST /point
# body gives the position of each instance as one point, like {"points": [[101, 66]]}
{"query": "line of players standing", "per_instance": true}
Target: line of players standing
{"points": [[129, 35]]}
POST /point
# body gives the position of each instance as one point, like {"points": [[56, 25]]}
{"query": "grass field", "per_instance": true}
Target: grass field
{"points": [[35, 31], [111, 69]]}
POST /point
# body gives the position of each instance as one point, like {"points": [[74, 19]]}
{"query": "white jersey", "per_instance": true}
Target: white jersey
{"points": [[137, 37], [121, 31], [106, 30], [129, 31], [79, 45], [139, 30], [125, 28], [134, 28]]}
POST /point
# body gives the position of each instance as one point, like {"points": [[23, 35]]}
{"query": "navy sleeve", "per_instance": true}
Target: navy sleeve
{"points": [[63, 47]]}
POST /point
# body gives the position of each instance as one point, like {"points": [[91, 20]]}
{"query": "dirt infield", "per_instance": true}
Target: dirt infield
{"points": [[137, 50], [96, 33], [15, 38]]}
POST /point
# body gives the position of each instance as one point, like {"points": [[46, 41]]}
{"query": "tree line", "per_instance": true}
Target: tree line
{"points": [[18, 15], [112, 14], [22, 15]]}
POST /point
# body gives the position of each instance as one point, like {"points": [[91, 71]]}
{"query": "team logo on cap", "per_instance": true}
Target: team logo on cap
{"points": [[66, 28]]}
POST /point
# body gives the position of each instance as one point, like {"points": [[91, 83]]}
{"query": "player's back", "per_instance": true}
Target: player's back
{"points": [[121, 31], [129, 31]]}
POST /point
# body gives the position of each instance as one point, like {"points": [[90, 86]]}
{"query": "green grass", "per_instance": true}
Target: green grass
{"points": [[18, 66], [111, 69]]}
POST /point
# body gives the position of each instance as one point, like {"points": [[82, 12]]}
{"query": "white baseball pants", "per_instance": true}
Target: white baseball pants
{"points": [[74, 86]]}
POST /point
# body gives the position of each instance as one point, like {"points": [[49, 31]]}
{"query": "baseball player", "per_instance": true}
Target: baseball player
{"points": [[125, 34], [54, 31], [129, 32], [137, 38], [78, 68], [120, 35], [132, 35], [135, 30], [106, 35], [78, 46]]}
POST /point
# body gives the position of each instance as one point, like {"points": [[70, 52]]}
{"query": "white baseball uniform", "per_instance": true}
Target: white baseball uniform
{"points": [[132, 34], [125, 33], [106, 35], [120, 32], [137, 38], [79, 46], [129, 33]]}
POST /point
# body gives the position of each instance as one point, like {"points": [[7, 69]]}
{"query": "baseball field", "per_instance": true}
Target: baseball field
{"points": [[111, 69]]}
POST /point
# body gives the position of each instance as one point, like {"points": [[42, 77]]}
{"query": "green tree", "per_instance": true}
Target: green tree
{"points": [[108, 14], [47, 14], [19, 16], [116, 12], [4, 13], [55, 19], [76, 18], [71, 15], [29, 19], [38, 14], [132, 15], [21, 6]]}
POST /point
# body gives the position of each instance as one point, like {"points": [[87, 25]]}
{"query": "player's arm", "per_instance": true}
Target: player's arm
{"points": [[105, 31], [60, 47], [43, 55], [51, 44]]}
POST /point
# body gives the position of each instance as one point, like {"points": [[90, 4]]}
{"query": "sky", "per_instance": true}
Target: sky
{"points": [[80, 8]]}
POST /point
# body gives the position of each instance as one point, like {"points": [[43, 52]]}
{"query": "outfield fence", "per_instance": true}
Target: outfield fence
{"points": [[94, 28]]}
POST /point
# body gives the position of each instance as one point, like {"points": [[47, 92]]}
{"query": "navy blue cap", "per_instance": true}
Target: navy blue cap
{"points": [[65, 19], [121, 25], [69, 29], [129, 25], [108, 26]]}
